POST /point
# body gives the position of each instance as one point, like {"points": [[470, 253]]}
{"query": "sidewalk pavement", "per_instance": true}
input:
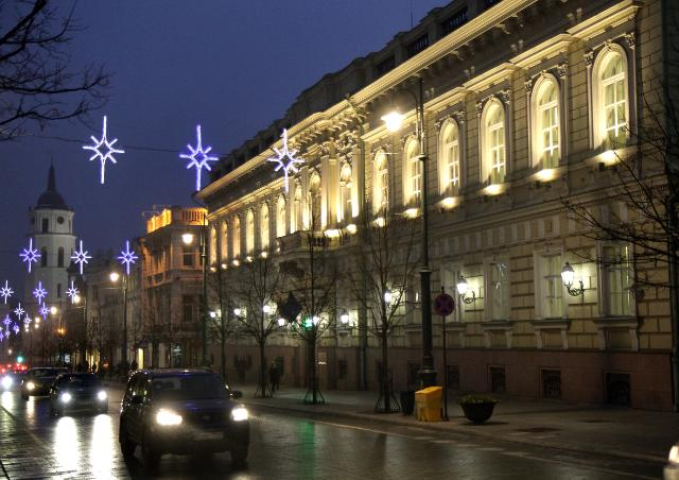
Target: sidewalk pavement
{"points": [[620, 432]]}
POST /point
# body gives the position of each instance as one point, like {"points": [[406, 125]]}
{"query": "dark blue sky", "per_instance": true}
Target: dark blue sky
{"points": [[232, 66]]}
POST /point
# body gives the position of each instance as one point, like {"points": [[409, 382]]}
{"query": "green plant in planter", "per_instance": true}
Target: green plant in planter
{"points": [[477, 408]]}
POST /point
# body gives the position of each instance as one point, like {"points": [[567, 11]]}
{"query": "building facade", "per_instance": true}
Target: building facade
{"points": [[528, 107]]}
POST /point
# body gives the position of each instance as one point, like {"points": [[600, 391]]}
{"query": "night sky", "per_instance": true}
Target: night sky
{"points": [[231, 66]]}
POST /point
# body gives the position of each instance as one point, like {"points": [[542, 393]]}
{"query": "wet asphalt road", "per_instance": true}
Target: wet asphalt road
{"points": [[286, 446]]}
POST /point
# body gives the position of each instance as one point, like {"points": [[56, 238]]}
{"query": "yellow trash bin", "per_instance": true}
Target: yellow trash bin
{"points": [[428, 404]]}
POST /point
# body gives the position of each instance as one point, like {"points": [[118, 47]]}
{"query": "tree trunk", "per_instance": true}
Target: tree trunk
{"points": [[262, 371], [386, 390]]}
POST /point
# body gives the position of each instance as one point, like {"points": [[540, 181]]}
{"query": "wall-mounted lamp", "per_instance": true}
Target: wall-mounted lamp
{"points": [[567, 277], [463, 291]]}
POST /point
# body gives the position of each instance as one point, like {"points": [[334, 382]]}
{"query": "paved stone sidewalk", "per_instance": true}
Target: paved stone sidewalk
{"points": [[620, 432]]}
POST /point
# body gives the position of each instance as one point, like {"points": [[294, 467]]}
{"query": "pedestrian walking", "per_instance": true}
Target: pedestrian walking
{"points": [[274, 377]]}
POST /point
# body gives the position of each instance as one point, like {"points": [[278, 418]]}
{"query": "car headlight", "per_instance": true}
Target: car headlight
{"points": [[30, 386], [168, 418], [674, 455], [66, 397], [239, 414], [101, 396], [7, 382]]}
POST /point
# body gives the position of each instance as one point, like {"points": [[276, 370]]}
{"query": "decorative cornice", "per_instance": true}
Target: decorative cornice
{"points": [[612, 17]]}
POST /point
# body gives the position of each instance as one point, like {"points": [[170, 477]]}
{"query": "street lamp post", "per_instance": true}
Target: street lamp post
{"points": [[187, 238], [115, 276], [427, 373]]}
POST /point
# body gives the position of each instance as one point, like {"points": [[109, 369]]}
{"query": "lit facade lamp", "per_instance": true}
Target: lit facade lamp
{"points": [[282, 322], [346, 321], [468, 296], [568, 277], [187, 238], [238, 311]]}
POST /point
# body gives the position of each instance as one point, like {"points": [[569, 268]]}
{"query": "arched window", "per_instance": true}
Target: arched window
{"points": [[60, 257], [213, 246], [280, 217], [264, 227], [249, 232], [449, 159], [611, 108], [346, 207], [381, 184], [225, 241], [493, 157], [315, 222], [236, 237], [43, 257], [297, 210], [546, 131], [412, 173]]}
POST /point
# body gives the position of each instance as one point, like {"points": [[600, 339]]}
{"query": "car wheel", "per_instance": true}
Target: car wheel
{"points": [[149, 454], [127, 446], [239, 454]]}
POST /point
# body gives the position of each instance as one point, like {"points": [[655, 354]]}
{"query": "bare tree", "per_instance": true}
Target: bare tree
{"points": [[254, 289], [37, 81], [387, 261]]}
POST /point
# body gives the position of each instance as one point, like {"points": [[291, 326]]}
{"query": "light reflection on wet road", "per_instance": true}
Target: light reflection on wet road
{"points": [[33, 445]]}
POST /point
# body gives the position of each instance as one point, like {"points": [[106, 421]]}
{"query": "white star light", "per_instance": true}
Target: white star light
{"points": [[199, 157], [19, 311], [103, 150], [81, 257], [72, 292], [44, 311], [30, 255], [40, 293], [6, 292], [127, 257], [27, 320], [285, 159]]}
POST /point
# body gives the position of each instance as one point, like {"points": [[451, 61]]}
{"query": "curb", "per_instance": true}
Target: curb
{"points": [[591, 449]]}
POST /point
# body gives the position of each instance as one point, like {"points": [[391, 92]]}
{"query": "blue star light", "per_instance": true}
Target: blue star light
{"points": [[199, 157], [27, 320], [19, 311], [44, 311], [30, 255], [285, 159], [2, 336], [16, 329], [103, 150], [7, 321], [127, 257], [40, 293], [81, 257], [72, 292], [6, 292]]}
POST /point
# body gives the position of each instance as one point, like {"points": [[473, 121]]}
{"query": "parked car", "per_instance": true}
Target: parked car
{"points": [[182, 412], [672, 467], [38, 381], [77, 392]]}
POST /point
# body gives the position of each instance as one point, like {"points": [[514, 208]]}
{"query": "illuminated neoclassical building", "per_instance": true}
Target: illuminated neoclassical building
{"points": [[528, 105]]}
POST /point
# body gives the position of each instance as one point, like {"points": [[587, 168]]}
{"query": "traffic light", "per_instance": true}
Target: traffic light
{"points": [[20, 359]]}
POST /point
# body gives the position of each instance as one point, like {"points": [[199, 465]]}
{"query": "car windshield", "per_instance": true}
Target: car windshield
{"points": [[79, 381], [188, 387], [45, 372]]}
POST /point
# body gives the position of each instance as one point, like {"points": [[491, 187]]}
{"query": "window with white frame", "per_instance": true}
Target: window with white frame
{"points": [[549, 287], [449, 159], [413, 173], [497, 290], [297, 210], [493, 143], [346, 212], [280, 217], [546, 141], [249, 232], [617, 280], [236, 237], [225, 241], [213, 245], [611, 108], [381, 184], [264, 227]]}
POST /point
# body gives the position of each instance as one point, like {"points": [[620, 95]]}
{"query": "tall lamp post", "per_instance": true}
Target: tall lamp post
{"points": [[187, 238], [115, 276], [393, 122]]}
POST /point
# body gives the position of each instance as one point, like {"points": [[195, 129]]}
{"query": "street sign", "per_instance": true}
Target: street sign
{"points": [[444, 304]]}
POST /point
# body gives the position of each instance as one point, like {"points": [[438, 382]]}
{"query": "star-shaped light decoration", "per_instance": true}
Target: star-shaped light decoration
{"points": [[16, 329], [72, 292], [81, 257], [30, 255], [19, 311], [2, 336], [27, 320], [127, 257], [199, 157], [44, 311], [40, 293], [7, 321], [103, 150], [6, 291], [285, 159]]}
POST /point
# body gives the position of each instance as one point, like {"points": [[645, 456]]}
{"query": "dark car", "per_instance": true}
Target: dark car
{"points": [[182, 412], [38, 381], [77, 391], [11, 381]]}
